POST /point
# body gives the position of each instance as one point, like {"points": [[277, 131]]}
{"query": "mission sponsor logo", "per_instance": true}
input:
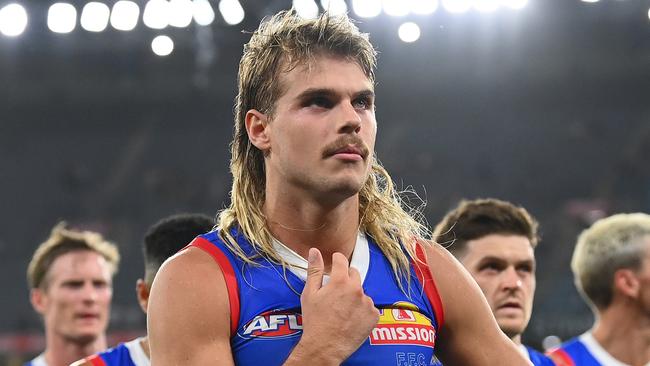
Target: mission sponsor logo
{"points": [[403, 325], [273, 324]]}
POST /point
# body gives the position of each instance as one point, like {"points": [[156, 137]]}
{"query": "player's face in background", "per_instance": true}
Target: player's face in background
{"points": [[323, 130], [75, 304], [504, 268]]}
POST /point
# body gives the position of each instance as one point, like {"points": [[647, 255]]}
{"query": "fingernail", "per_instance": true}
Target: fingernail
{"points": [[312, 255]]}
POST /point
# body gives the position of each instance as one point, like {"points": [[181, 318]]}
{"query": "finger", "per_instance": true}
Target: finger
{"points": [[354, 274], [315, 268], [340, 266]]}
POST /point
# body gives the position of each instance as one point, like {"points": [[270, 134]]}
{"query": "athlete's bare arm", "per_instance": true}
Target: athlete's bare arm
{"points": [[189, 313], [188, 317], [470, 336]]}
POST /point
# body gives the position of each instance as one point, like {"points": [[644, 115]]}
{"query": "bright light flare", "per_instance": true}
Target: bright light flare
{"points": [[181, 13], [423, 7], [156, 14], [396, 8], [13, 20], [486, 6], [62, 18], [456, 6], [125, 15], [203, 12], [306, 9], [335, 7], [409, 32], [515, 4], [366, 8], [162, 45], [94, 17], [232, 11]]}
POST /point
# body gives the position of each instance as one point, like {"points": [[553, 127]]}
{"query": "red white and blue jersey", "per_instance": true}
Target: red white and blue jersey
{"points": [[124, 354], [538, 359], [266, 320], [583, 351]]}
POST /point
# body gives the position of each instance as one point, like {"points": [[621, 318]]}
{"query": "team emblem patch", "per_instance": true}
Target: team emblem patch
{"points": [[273, 324], [403, 324]]}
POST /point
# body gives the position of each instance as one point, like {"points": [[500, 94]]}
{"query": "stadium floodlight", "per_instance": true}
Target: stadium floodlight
{"points": [[589, 1], [203, 12], [423, 7], [486, 6], [13, 20], [180, 13], [124, 16], [366, 8], [409, 32], [231, 11], [162, 45], [334, 7], [515, 4], [61, 18], [456, 6], [156, 14], [94, 16], [306, 9], [396, 8]]}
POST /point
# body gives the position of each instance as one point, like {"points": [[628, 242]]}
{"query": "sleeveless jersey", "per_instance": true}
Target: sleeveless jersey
{"points": [[124, 354], [266, 321], [583, 351]]}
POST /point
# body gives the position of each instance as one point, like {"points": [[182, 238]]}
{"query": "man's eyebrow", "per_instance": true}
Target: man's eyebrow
{"points": [[320, 92]]}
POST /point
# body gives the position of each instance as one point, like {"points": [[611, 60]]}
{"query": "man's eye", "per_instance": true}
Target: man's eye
{"points": [[320, 102], [363, 103]]}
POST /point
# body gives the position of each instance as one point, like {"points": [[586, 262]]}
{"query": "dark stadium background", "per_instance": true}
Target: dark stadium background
{"points": [[547, 106]]}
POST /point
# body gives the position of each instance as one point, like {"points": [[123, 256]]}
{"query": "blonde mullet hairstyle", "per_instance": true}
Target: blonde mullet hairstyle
{"points": [[281, 43]]}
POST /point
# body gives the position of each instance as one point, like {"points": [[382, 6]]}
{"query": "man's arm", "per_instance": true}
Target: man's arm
{"points": [[188, 316], [470, 335]]}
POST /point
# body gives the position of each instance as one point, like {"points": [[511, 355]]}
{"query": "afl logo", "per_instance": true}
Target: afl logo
{"points": [[273, 324]]}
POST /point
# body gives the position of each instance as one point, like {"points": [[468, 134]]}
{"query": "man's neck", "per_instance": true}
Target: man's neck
{"points": [[301, 225], [62, 352], [624, 333]]}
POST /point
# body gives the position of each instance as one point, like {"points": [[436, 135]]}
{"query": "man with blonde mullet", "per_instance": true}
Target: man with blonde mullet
{"points": [[316, 261], [611, 267], [70, 277]]}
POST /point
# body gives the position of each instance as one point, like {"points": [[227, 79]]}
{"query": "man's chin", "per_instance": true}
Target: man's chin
{"points": [[512, 328], [85, 337]]}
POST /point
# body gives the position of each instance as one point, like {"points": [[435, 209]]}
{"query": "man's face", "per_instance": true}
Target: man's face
{"points": [[504, 268], [75, 304], [322, 133]]}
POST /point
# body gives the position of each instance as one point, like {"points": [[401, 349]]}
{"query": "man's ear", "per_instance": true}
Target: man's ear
{"points": [[142, 292], [38, 298], [258, 129], [626, 282]]}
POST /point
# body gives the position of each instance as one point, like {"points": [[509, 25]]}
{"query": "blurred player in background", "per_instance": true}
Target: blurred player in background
{"points": [[495, 241], [611, 269], [70, 277], [162, 240]]}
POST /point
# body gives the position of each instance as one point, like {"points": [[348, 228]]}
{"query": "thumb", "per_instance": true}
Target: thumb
{"points": [[315, 268]]}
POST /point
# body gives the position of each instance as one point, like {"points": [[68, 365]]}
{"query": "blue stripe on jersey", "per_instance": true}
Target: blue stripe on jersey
{"points": [[117, 356], [539, 359], [270, 322], [578, 353]]}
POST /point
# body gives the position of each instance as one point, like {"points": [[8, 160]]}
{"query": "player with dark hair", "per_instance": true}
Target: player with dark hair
{"points": [[495, 241]]}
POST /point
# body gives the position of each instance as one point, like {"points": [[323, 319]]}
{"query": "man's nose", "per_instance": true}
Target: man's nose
{"points": [[351, 121], [511, 279]]}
